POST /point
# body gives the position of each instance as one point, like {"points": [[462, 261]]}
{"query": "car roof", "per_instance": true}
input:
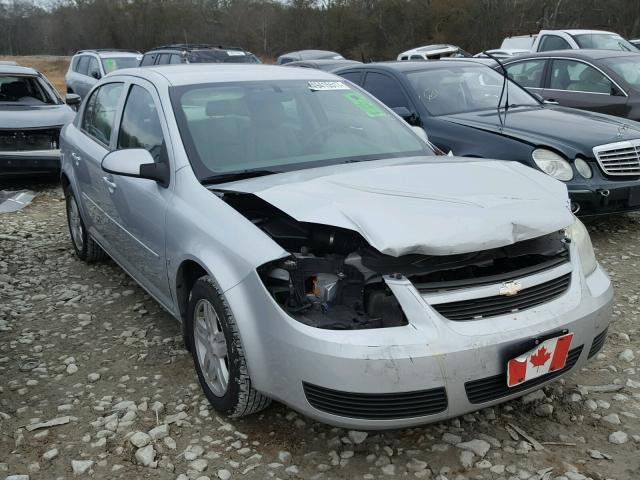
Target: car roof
{"points": [[203, 73], [190, 47], [433, 49], [322, 61], [17, 70], [583, 54], [414, 66], [111, 52], [577, 31]]}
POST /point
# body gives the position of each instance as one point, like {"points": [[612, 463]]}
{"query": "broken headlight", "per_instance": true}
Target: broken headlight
{"points": [[552, 164], [579, 235]]}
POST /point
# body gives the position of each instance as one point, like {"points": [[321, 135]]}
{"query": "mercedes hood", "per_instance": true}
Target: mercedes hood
{"points": [[556, 127], [432, 206]]}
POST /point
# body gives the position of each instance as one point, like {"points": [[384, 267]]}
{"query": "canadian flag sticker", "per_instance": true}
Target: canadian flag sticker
{"points": [[547, 357]]}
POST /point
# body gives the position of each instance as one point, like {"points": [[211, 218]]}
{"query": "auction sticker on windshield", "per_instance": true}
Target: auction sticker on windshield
{"points": [[368, 107], [319, 86], [547, 357]]}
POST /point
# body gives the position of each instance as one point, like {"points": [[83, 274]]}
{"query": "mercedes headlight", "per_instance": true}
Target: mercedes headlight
{"points": [[583, 168], [579, 235], [552, 164]]}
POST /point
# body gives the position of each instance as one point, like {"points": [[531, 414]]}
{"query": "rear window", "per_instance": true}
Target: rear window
{"points": [[116, 63], [222, 56], [604, 41]]}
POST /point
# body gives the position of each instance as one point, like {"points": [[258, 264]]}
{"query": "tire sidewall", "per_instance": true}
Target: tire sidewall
{"points": [[81, 253], [205, 288]]}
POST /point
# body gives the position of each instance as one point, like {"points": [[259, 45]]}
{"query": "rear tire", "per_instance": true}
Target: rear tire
{"points": [[217, 352], [85, 247]]}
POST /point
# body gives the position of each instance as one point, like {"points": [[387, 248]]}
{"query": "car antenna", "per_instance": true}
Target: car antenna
{"points": [[505, 84]]}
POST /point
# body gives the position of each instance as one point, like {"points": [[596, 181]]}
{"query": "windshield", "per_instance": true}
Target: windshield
{"points": [[26, 90], [287, 125], [222, 56], [604, 41], [116, 63], [628, 68], [465, 88]]}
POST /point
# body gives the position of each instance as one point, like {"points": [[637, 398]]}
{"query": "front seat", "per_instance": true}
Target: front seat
{"points": [[591, 81], [15, 90], [272, 137]]}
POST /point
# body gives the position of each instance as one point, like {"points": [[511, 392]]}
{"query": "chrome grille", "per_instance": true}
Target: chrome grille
{"points": [[621, 158]]}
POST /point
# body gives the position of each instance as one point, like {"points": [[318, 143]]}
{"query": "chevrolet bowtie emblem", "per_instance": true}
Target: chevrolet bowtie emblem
{"points": [[509, 289]]}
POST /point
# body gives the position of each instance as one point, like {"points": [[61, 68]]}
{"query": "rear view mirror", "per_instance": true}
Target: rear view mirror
{"points": [[137, 163], [73, 100], [407, 116]]}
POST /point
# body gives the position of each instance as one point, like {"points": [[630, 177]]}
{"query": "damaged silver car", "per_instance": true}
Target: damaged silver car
{"points": [[318, 252]]}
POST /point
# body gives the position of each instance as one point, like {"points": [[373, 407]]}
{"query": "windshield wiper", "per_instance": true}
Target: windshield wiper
{"points": [[233, 176]]}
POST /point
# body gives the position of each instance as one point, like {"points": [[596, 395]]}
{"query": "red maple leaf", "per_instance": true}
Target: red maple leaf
{"points": [[540, 358]]}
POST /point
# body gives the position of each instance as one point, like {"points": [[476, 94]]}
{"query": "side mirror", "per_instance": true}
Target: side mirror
{"points": [[73, 100], [96, 74], [137, 163], [407, 116], [615, 91]]}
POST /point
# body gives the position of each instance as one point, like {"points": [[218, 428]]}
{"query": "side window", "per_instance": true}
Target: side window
{"points": [[94, 69], [83, 65], [416, 57], [175, 58], [163, 59], [578, 76], [352, 77], [386, 89], [527, 73], [553, 42], [100, 112], [140, 127], [148, 59]]}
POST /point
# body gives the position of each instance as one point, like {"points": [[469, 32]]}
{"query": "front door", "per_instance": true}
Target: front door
{"points": [[140, 205]]}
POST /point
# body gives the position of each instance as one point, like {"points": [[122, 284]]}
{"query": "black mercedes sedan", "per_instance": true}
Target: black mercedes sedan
{"points": [[602, 81], [31, 116], [467, 108]]}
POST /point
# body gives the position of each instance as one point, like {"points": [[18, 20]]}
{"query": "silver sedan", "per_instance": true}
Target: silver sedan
{"points": [[317, 251]]}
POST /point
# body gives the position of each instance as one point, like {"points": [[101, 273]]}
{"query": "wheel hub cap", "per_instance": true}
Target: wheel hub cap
{"points": [[211, 347]]}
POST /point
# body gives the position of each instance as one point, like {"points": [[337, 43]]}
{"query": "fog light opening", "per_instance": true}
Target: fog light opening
{"points": [[575, 207]]}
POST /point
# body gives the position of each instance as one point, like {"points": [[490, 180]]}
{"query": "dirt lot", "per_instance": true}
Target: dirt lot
{"points": [[52, 66], [85, 345]]}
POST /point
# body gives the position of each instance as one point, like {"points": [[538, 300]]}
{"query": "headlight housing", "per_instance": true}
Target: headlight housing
{"points": [[552, 164], [583, 168], [579, 235]]}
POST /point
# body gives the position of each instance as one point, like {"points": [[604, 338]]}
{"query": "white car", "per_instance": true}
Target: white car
{"points": [[433, 52], [548, 40]]}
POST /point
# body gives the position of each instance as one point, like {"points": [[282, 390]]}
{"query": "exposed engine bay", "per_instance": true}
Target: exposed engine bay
{"points": [[334, 278]]}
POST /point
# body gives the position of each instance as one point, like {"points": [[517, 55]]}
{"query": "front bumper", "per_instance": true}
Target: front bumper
{"points": [[603, 196], [363, 372], [29, 162]]}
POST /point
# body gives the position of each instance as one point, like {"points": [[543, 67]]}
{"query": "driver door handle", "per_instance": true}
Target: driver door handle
{"points": [[112, 186], [76, 158]]}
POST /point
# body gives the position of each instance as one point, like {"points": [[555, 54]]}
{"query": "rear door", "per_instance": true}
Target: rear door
{"points": [[577, 84], [90, 143], [78, 84]]}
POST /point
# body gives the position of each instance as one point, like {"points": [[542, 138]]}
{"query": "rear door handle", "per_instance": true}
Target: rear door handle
{"points": [[76, 158], [112, 186]]}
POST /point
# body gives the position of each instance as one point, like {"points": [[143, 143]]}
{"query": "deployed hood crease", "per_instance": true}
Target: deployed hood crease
{"points": [[419, 206]]}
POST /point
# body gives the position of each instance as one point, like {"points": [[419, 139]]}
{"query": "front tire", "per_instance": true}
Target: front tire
{"points": [[217, 353], [85, 247]]}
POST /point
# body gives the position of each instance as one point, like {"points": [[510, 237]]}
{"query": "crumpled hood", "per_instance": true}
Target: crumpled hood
{"points": [[552, 126], [433, 206], [29, 116]]}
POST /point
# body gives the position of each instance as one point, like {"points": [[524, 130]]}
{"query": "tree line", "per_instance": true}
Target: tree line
{"points": [[359, 29]]}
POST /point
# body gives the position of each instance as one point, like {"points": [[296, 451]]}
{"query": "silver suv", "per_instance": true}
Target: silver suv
{"points": [[89, 66], [318, 252]]}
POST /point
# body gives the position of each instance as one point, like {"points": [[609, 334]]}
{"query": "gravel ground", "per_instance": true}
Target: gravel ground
{"points": [[86, 347]]}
